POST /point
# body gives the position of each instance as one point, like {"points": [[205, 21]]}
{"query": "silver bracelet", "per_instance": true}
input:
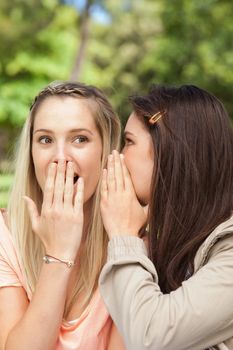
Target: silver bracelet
{"points": [[49, 259]]}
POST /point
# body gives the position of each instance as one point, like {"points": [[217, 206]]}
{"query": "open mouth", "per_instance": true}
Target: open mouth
{"points": [[75, 178]]}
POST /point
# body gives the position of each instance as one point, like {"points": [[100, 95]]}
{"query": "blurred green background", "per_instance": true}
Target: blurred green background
{"points": [[122, 46]]}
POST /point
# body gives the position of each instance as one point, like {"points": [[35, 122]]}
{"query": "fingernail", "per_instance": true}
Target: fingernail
{"points": [[122, 155]]}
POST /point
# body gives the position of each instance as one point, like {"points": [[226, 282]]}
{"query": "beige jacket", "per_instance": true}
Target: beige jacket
{"points": [[196, 316]]}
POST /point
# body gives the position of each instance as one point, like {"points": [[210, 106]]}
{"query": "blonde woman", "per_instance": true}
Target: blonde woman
{"points": [[52, 241]]}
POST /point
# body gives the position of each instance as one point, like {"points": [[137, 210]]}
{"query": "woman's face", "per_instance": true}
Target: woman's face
{"points": [[139, 157], [64, 129]]}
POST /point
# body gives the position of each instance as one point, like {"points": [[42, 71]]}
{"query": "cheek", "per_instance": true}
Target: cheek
{"points": [[96, 168], [134, 168], [92, 171], [147, 174], [36, 162], [140, 166], [40, 163], [90, 159], [37, 158], [133, 161]]}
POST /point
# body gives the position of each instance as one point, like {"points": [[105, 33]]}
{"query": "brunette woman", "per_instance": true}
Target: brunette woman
{"points": [[178, 161]]}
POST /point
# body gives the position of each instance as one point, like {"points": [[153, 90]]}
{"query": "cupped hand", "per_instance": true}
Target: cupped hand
{"points": [[121, 211], [60, 223]]}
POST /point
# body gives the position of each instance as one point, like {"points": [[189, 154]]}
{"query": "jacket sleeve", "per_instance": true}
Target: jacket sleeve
{"points": [[197, 315]]}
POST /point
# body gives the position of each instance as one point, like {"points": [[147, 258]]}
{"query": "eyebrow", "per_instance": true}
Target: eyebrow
{"points": [[70, 131], [128, 133]]}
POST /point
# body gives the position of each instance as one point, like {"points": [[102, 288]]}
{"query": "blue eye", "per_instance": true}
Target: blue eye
{"points": [[80, 139], [45, 139]]}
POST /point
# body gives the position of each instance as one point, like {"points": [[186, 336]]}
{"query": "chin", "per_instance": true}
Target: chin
{"points": [[142, 201]]}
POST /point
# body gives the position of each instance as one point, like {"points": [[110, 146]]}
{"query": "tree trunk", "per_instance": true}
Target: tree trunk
{"points": [[84, 33]]}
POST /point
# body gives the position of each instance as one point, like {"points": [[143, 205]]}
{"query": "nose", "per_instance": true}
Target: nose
{"points": [[61, 152]]}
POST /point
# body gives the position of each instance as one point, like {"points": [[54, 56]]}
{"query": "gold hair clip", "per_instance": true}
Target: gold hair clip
{"points": [[155, 117]]}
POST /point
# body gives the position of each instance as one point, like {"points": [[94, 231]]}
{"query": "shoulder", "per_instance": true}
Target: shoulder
{"points": [[6, 240], [3, 213], [10, 266], [4, 228], [219, 241]]}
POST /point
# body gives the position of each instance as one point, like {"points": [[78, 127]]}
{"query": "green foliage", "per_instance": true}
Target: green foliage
{"points": [[197, 45], [44, 56], [162, 42], [145, 42], [5, 183]]}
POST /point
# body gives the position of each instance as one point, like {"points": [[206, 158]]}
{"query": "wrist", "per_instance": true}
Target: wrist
{"points": [[50, 259], [62, 254], [119, 232]]}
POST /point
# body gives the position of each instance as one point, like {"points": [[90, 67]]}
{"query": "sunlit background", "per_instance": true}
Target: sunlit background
{"points": [[121, 46]]}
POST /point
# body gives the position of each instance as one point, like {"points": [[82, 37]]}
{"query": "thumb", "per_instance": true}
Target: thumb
{"points": [[32, 210]]}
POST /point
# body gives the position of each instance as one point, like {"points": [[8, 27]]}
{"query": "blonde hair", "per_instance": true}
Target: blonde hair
{"points": [[29, 246]]}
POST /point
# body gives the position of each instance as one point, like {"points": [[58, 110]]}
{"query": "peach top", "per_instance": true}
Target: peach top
{"points": [[90, 331]]}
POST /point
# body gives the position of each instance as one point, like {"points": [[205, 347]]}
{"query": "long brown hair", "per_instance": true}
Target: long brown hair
{"points": [[192, 185]]}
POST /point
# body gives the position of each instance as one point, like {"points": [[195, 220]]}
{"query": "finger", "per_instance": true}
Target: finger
{"points": [[79, 197], [127, 178], [32, 210], [49, 186], [111, 174], [104, 187], [59, 184], [69, 185], [118, 171]]}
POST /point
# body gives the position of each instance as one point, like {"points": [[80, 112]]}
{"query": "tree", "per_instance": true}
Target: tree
{"points": [[143, 42], [33, 53], [84, 36]]}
